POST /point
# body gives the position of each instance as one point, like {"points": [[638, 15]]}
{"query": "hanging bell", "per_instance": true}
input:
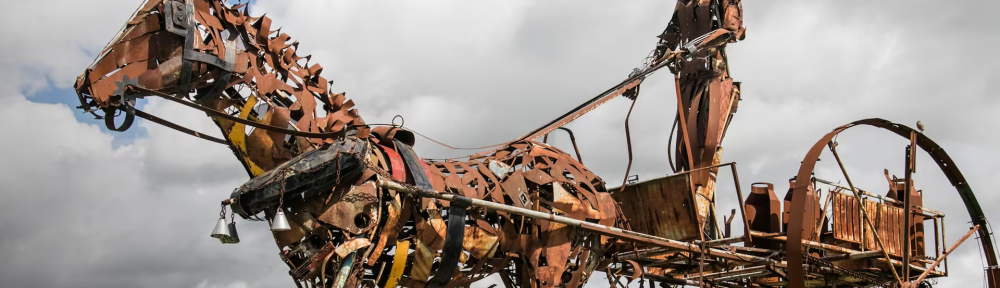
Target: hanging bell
{"points": [[279, 223], [221, 230], [233, 237]]}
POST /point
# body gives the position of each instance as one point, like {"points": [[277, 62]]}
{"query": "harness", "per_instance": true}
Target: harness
{"points": [[179, 19], [403, 155]]}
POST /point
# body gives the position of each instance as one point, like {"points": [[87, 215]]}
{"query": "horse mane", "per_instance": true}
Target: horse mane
{"points": [[221, 58]]}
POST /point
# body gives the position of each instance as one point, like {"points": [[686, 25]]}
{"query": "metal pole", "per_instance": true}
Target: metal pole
{"points": [[681, 114], [822, 217], [344, 270], [583, 225], [573, 139], [937, 245], [907, 214], [930, 213], [944, 241], [739, 194], [950, 249]]}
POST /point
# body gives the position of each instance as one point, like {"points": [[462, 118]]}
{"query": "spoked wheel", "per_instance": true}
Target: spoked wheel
{"points": [[804, 217]]}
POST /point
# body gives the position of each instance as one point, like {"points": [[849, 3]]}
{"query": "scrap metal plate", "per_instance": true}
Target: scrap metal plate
{"points": [[662, 207]]}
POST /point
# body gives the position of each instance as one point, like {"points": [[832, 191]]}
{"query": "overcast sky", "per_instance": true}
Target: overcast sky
{"points": [[85, 207]]}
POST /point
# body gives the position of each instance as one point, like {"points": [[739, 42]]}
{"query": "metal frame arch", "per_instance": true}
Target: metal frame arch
{"points": [[793, 249]]}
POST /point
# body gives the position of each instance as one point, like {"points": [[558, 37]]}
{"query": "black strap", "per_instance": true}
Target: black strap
{"points": [[452, 243], [455, 234], [109, 118], [413, 165], [180, 128]]}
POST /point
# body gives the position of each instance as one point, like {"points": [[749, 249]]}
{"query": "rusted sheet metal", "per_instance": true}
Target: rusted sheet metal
{"points": [[888, 222], [763, 214], [810, 208], [352, 245], [352, 210], [847, 222], [661, 207]]}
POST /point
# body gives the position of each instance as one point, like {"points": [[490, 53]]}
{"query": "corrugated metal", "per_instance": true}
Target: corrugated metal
{"points": [[848, 223], [847, 219], [888, 221], [661, 207]]}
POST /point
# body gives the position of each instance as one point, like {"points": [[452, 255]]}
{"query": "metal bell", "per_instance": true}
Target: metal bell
{"points": [[233, 237], [279, 223], [221, 231]]}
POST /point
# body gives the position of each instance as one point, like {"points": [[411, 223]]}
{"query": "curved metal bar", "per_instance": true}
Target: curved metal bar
{"points": [[545, 139], [947, 165], [573, 139]]}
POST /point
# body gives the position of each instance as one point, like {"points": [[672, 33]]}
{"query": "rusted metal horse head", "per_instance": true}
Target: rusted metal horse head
{"points": [[312, 157]]}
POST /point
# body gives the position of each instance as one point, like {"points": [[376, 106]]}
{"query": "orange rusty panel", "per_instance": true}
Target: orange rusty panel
{"points": [[661, 207], [888, 221], [846, 218]]}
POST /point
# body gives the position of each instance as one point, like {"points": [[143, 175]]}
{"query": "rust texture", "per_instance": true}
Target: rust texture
{"points": [[662, 207], [763, 213], [233, 66], [364, 210]]}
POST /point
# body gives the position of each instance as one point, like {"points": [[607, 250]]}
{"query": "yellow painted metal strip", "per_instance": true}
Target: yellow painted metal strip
{"points": [[238, 135], [398, 263]]}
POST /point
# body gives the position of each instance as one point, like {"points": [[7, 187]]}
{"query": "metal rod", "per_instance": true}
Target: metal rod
{"points": [[344, 270], [861, 206], [739, 195], [939, 259], [684, 130], [690, 165], [937, 246], [631, 255], [823, 246], [731, 272], [723, 241], [829, 247], [908, 216], [628, 140], [583, 225], [943, 241], [575, 148], [855, 256], [931, 213], [822, 217], [638, 255], [571, 139]]}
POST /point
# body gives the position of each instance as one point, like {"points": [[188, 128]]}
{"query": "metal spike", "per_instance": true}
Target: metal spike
{"points": [[279, 223]]}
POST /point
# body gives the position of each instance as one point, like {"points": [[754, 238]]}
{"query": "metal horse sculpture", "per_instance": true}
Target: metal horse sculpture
{"points": [[352, 205], [312, 157]]}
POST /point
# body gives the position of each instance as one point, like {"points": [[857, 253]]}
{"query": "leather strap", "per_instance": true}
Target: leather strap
{"points": [[414, 165], [452, 243]]}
